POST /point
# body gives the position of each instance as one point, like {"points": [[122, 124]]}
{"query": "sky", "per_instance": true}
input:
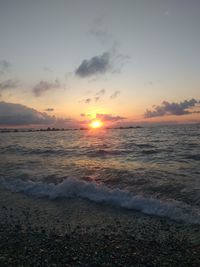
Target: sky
{"points": [[66, 62]]}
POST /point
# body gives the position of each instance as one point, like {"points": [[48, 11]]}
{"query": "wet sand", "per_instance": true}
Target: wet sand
{"points": [[75, 232]]}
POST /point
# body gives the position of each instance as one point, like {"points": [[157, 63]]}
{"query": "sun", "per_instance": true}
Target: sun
{"points": [[96, 124]]}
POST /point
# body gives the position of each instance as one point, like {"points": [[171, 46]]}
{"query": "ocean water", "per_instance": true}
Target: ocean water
{"points": [[155, 170]]}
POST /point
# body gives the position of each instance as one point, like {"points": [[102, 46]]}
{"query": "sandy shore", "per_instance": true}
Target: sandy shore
{"points": [[69, 232]]}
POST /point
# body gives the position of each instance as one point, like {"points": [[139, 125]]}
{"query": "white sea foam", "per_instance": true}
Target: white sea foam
{"points": [[72, 187]]}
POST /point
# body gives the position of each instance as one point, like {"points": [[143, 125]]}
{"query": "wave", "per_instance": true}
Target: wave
{"points": [[37, 151], [150, 151], [144, 145], [63, 152], [193, 157], [103, 152], [71, 187]]}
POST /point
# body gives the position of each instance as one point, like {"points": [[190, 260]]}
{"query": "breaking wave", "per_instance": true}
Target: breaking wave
{"points": [[92, 191]]}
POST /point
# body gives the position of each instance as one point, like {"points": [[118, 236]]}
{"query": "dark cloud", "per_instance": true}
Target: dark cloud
{"points": [[115, 94], [8, 84], [94, 66], [44, 86], [109, 117], [177, 109], [110, 61], [5, 67], [19, 115], [49, 109]]}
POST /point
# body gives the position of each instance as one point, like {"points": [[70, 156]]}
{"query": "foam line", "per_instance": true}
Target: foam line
{"points": [[72, 187]]}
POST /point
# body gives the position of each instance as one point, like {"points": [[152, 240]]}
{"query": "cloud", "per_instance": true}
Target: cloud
{"points": [[46, 69], [8, 84], [109, 117], [101, 34], [12, 114], [99, 31], [97, 98], [87, 100], [115, 94], [85, 115], [44, 86], [102, 64], [99, 95], [120, 60], [148, 83], [17, 114], [49, 109], [177, 109], [5, 67], [94, 66], [101, 92]]}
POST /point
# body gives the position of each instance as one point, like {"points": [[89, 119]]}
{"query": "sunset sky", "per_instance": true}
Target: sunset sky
{"points": [[125, 61]]}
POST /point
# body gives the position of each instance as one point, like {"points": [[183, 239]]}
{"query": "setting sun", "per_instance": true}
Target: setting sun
{"points": [[96, 124]]}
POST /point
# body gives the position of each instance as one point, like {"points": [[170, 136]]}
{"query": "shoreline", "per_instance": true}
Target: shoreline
{"points": [[102, 232]]}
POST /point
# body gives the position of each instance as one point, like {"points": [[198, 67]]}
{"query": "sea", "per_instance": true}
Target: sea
{"points": [[154, 170]]}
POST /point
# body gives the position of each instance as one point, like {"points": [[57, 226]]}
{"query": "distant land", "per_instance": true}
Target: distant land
{"points": [[15, 130]]}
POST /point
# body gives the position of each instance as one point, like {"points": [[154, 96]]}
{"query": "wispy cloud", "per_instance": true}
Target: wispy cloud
{"points": [[115, 94], [8, 84], [101, 92], [100, 31], [49, 109], [178, 109], [101, 34], [148, 83], [109, 117], [87, 100], [5, 67], [85, 115], [47, 69], [44, 86], [97, 98], [99, 95]]}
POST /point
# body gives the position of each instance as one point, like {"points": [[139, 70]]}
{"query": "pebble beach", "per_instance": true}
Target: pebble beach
{"points": [[75, 232]]}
